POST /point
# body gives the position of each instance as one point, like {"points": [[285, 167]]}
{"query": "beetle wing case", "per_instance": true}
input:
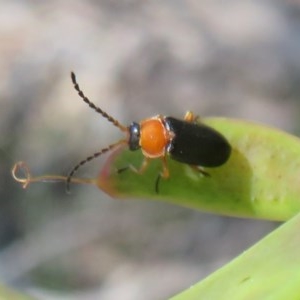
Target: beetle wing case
{"points": [[197, 144]]}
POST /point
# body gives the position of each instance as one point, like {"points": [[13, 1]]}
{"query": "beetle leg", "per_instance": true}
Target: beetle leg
{"points": [[165, 171], [190, 117], [200, 170], [143, 167], [164, 174], [141, 170], [157, 181]]}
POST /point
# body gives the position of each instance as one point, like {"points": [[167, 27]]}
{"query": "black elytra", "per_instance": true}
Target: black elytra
{"points": [[196, 144]]}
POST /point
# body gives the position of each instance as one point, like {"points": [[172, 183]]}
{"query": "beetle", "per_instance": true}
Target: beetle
{"points": [[186, 141]]}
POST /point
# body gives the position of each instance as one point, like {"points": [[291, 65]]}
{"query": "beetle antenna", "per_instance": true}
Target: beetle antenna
{"points": [[94, 107], [89, 158]]}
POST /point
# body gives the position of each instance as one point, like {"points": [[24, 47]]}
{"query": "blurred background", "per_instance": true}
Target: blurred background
{"points": [[134, 59]]}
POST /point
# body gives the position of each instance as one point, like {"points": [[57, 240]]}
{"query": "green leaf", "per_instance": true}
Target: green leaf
{"points": [[260, 180], [269, 270]]}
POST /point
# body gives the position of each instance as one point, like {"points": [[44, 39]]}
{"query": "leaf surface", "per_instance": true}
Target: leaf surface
{"points": [[260, 180]]}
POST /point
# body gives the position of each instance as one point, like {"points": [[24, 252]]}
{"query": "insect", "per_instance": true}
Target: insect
{"points": [[185, 141]]}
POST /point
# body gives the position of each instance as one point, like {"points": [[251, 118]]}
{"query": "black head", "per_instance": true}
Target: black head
{"points": [[134, 136]]}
